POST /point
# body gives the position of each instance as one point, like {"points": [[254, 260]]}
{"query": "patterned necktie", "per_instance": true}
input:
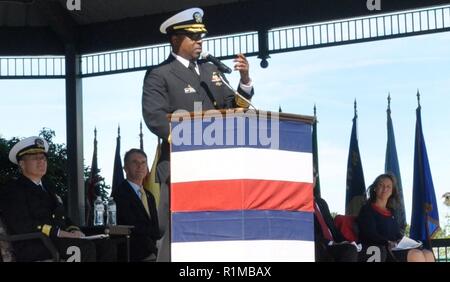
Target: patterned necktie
{"points": [[325, 230], [144, 200]]}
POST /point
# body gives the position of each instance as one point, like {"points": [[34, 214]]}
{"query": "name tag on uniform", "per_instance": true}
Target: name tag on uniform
{"points": [[189, 89]]}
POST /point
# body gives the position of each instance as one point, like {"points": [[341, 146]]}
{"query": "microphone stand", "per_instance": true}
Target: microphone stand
{"points": [[235, 91]]}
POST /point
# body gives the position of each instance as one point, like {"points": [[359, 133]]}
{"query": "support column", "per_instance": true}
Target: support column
{"points": [[74, 128], [263, 45]]}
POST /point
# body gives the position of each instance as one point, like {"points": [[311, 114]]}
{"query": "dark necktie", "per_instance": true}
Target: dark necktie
{"points": [[325, 230], [192, 67], [41, 188]]}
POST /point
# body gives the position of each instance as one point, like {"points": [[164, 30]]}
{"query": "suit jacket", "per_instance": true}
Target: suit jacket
{"points": [[26, 208], [170, 87], [337, 235], [131, 211]]}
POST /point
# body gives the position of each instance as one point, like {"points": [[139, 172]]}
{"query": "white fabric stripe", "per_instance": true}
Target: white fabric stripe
{"points": [[233, 251], [241, 163]]}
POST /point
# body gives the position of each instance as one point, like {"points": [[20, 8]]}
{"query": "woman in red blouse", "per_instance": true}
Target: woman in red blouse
{"points": [[378, 225]]}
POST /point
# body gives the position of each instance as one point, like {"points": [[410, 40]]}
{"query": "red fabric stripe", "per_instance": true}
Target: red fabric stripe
{"points": [[241, 194]]}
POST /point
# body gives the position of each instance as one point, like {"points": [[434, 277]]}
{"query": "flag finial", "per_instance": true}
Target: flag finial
{"points": [[279, 109], [118, 130], [354, 106], [418, 98], [95, 138], [389, 102]]}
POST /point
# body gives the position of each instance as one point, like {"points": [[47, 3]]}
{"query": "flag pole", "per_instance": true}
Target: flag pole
{"points": [[141, 137], [355, 184], [425, 215], [392, 166], [316, 156]]}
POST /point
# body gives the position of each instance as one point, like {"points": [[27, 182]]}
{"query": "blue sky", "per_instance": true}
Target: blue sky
{"points": [[330, 77]]}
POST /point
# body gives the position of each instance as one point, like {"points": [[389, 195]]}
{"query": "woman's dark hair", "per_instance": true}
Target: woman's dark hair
{"points": [[393, 199]]}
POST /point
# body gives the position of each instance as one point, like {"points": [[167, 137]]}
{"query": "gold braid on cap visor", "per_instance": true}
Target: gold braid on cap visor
{"points": [[194, 28], [31, 151]]}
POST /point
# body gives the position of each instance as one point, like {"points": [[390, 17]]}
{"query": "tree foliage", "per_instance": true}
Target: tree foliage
{"points": [[7, 169]]}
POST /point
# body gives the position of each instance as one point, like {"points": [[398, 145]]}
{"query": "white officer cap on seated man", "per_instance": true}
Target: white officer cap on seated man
{"points": [[30, 145], [190, 20]]}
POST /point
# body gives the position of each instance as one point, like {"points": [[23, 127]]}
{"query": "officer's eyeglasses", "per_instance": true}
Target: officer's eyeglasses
{"points": [[195, 36], [35, 158]]}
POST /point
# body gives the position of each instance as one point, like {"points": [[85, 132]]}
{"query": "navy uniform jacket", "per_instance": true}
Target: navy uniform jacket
{"points": [[26, 208], [131, 211], [170, 87]]}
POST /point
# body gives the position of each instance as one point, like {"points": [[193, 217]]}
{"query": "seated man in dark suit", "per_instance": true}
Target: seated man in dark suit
{"points": [[330, 243], [136, 206]]}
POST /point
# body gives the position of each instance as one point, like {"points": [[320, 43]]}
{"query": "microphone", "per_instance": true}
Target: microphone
{"points": [[210, 58]]}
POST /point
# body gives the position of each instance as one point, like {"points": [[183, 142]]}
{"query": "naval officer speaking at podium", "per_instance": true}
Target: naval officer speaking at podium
{"points": [[183, 82]]}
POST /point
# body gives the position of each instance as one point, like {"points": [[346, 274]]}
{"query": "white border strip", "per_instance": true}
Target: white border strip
{"points": [[252, 250], [241, 163]]}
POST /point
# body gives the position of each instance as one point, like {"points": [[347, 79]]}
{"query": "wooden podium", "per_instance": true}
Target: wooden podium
{"points": [[241, 186]]}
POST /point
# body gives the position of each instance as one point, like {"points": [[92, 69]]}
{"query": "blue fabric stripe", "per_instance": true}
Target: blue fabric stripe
{"points": [[242, 225], [293, 135]]}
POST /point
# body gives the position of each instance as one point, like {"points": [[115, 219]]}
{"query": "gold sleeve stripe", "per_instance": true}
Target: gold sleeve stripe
{"points": [[241, 102], [46, 229], [169, 139]]}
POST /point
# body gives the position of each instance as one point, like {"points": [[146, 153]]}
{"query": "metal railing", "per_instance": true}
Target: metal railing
{"points": [[32, 67], [279, 40], [441, 249], [143, 58], [123, 60], [359, 30]]}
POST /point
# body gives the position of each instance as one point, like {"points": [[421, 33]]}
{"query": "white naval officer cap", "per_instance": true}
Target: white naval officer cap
{"points": [[28, 146], [187, 21]]}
